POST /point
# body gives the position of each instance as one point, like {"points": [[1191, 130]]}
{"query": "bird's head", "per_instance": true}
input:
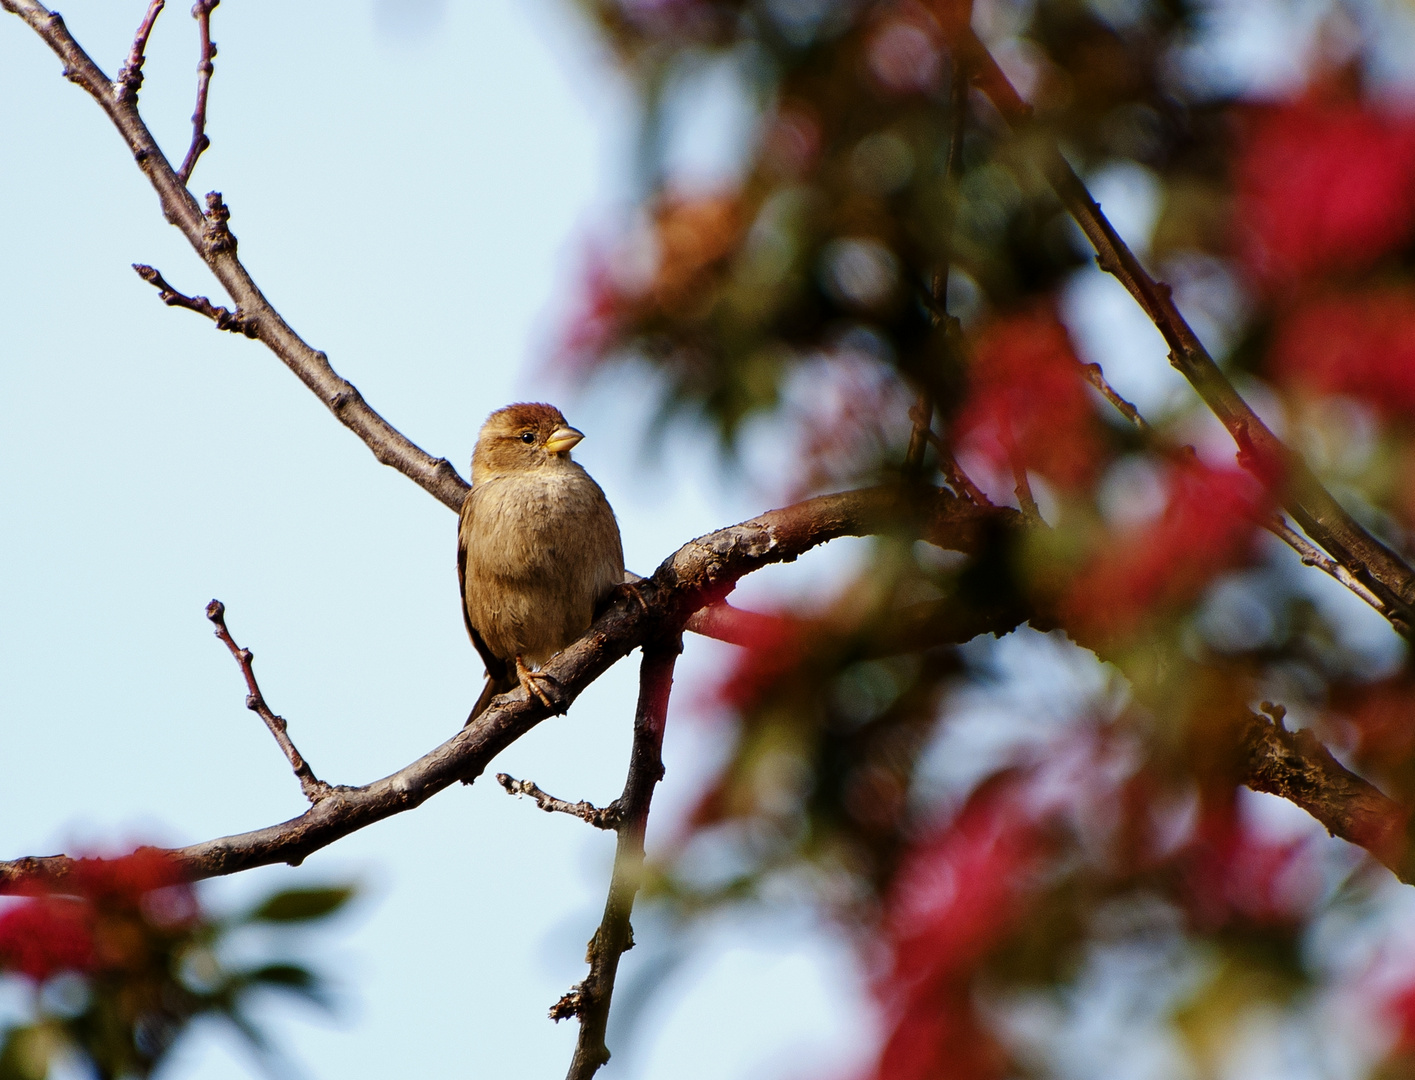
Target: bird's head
{"points": [[519, 437]]}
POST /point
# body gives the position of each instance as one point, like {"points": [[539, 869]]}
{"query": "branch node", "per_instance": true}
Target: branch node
{"points": [[571, 1004], [1277, 712], [129, 81], [216, 234]]}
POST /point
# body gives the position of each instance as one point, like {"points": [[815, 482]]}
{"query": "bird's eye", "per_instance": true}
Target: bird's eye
{"points": [[528, 437]]}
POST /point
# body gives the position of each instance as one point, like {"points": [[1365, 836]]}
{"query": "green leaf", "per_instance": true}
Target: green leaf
{"points": [[290, 976], [298, 905]]}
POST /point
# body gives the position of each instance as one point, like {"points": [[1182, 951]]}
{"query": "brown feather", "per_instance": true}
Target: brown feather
{"points": [[538, 549]]}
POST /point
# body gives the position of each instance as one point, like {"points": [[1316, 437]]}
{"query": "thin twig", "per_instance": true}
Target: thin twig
{"points": [[921, 414], [606, 818], [1096, 377], [590, 999], [1314, 508], [923, 410], [224, 318], [1021, 486], [314, 788], [130, 74], [1278, 526], [953, 473], [201, 11]]}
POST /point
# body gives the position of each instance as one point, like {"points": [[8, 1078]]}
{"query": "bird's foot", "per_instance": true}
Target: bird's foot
{"points": [[530, 681], [630, 588]]}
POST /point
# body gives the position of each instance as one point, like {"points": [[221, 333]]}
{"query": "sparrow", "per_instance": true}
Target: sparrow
{"points": [[538, 549]]}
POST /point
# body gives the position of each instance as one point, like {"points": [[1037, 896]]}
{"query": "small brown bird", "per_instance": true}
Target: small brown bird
{"points": [[538, 549]]}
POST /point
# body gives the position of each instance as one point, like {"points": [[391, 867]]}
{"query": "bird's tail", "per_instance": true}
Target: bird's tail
{"points": [[492, 688]]}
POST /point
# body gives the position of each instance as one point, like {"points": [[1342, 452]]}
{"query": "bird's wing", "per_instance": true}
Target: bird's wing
{"points": [[495, 666]]}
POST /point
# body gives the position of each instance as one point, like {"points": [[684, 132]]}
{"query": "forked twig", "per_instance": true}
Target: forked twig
{"points": [[224, 318], [314, 788], [1315, 509], [1312, 556], [1277, 524]]}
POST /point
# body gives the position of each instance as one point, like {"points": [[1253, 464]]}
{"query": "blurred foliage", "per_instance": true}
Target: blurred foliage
{"points": [[120, 957], [1004, 861]]}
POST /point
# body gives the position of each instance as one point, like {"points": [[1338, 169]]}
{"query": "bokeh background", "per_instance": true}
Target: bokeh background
{"points": [[451, 201]]}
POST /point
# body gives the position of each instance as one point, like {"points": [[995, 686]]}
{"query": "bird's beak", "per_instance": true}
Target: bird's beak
{"points": [[563, 439]]}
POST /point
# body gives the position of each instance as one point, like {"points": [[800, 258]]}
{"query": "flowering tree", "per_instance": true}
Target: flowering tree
{"points": [[887, 276]]}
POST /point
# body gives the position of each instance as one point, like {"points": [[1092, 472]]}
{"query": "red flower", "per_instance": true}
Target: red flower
{"points": [[1207, 526], [1400, 1010], [89, 926], [1322, 187], [773, 646], [958, 895], [126, 879], [41, 937], [1029, 393], [1234, 873], [1362, 345]]}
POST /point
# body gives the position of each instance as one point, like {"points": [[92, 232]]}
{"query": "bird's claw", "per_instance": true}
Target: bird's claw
{"points": [[530, 680], [631, 588]]}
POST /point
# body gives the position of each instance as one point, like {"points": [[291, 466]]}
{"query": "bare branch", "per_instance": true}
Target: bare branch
{"points": [[1295, 766], [590, 1000], [1279, 527], [695, 578], [130, 74], [201, 12], [214, 243], [224, 318], [607, 818], [314, 788], [953, 473], [921, 414], [698, 574], [1022, 487], [1314, 508], [1096, 377]]}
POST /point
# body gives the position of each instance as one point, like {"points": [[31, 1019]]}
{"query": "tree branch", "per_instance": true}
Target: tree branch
{"points": [[201, 12], [1277, 524], [216, 246], [697, 575], [590, 999], [606, 818], [1295, 766], [1314, 508], [130, 74], [693, 580], [313, 787], [224, 318]]}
